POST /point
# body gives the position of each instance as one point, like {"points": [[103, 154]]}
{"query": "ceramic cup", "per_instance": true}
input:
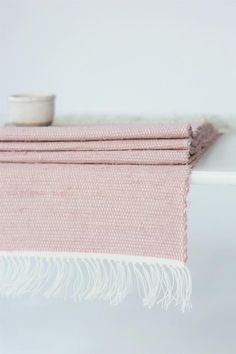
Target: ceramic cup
{"points": [[31, 109]]}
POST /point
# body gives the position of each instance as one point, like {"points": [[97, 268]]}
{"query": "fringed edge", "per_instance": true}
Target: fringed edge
{"points": [[86, 276]]}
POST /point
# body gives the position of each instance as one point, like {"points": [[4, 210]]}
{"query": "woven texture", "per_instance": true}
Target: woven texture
{"points": [[117, 189]]}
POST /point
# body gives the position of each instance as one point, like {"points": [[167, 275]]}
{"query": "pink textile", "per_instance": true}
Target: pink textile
{"points": [[118, 189]]}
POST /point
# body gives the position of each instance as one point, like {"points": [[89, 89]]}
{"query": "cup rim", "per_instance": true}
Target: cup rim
{"points": [[31, 97]]}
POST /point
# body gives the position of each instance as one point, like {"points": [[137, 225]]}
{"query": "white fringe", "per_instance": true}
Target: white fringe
{"points": [[86, 276]]}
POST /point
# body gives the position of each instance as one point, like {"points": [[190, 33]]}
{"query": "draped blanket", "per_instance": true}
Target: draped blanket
{"points": [[96, 211]]}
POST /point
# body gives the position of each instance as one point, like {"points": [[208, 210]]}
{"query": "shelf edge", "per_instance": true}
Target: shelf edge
{"points": [[213, 177]]}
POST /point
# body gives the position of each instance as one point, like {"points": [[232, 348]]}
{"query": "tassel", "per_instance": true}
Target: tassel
{"points": [[88, 276]]}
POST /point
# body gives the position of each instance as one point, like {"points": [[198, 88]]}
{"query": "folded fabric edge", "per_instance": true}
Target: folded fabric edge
{"points": [[89, 276]]}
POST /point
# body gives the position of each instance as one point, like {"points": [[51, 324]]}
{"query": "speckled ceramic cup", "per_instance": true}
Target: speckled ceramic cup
{"points": [[31, 109]]}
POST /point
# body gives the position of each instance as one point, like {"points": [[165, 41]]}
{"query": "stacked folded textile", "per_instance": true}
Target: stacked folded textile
{"points": [[94, 211]]}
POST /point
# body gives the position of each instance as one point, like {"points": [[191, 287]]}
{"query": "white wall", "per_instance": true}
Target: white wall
{"points": [[121, 56]]}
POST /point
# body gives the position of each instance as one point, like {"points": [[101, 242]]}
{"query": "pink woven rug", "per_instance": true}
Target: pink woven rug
{"points": [[93, 212]]}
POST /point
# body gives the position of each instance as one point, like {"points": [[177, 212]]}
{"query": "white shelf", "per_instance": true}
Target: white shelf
{"points": [[218, 164]]}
